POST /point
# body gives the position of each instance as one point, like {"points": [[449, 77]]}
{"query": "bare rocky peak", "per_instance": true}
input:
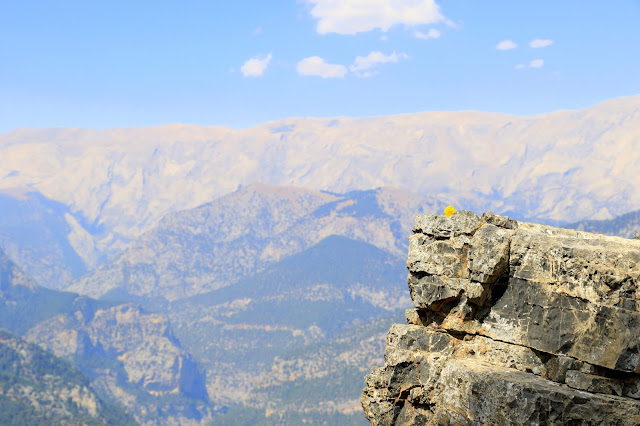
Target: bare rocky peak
{"points": [[514, 323]]}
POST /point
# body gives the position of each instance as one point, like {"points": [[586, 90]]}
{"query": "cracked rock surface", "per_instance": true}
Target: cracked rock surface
{"points": [[514, 323]]}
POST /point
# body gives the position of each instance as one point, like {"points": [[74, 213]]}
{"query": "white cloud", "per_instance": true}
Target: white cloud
{"points": [[506, 45], [538, 43], [536, 63], [364, 66], [256, 66], [355, 16], [431, 34], [316, 66]]}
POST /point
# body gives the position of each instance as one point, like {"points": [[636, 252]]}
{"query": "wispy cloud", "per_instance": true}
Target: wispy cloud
{"points": [[355, 16], [538, 43], [506, 45], [431, 34], [536, 63], [256, 66], [365, 66], [316, 66], [362, 66]]}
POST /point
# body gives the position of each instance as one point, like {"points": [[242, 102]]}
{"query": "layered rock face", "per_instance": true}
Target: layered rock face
{"points": [[514, 323]]}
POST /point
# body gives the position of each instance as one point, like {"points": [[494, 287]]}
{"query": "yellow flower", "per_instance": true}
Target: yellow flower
{"points": [[449, 210]]}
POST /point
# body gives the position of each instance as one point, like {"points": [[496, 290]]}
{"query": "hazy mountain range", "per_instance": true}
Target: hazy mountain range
{"points": [[626, 225], [563, 166], [251, 337], [35, 233], [192, 290], [309, 298]]}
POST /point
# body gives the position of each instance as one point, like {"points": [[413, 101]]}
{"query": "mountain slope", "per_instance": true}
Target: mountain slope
{"points": [[23, 303], [219, 243], [320, 383], [626, 225], [563, 166], [132, 357], [43, 238], [307, 298], [38, 388]]}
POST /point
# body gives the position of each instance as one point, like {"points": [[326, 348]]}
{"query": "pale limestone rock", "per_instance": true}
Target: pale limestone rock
{"points": [[515, 323]]}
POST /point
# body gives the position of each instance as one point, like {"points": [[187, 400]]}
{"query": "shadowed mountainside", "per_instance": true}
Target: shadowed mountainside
{"points": [[626, 225], [44, 238]]}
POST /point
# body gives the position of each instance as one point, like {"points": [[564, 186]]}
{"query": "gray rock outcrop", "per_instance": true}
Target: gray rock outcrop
{"points": [[514, 323]]}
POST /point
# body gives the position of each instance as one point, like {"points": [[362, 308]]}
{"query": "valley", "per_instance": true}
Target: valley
{"points": [[205, 275]]}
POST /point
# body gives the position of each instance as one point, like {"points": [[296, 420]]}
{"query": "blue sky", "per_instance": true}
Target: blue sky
{"points": [[241, 63]]}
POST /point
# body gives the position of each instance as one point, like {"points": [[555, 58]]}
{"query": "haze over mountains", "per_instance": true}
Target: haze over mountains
{"points": [[36, 233], [250, 336], [219, 243], [129, 357], [38, 388], [563, 166], [211, 268]]}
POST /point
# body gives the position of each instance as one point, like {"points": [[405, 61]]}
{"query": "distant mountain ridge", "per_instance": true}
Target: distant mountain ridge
{"points": [[219, 243], [254, 279], [563, 166], [626, 225]]}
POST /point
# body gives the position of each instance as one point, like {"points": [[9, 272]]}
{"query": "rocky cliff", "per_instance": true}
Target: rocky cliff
{"points": [[514, 323], [133, 359], [142, 342]]}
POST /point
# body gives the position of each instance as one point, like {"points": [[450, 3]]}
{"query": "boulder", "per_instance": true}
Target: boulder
{"points": [[514, 323]]}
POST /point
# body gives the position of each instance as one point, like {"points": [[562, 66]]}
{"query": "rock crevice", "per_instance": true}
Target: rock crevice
{"points": [[514, 323]]}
